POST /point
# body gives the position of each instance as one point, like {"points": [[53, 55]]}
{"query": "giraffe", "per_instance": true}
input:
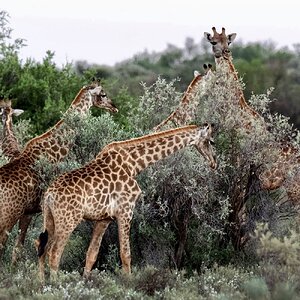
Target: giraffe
{"points": [[274, 176], [185, 112], [20, 192], [10, 145], [220, 45], [106, 189]]}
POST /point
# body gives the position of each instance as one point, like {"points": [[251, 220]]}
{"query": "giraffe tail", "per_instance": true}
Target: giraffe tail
{"points": [[42, 242]]}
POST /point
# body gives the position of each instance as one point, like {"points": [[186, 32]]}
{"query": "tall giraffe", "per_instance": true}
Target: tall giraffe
{"points": [[10, 145], [220, 45], [185, 112], [20, 191], [106, 189], [274, 176]]}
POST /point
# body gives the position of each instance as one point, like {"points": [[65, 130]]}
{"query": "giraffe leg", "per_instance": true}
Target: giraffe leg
{"points": [[91, 256], [124, 230], [56, 248], [42, 259], [23, 226], [3, 239], [55, 252], [4, 233]]}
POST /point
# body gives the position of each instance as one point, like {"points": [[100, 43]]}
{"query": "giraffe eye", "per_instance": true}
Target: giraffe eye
{"points": [[103, 96], [213, 43]]}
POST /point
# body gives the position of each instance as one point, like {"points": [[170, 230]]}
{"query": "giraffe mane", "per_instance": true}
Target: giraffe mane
{"points": [[196, 79], [75, 101], [50, 131], [149, 137], [42, 136]]}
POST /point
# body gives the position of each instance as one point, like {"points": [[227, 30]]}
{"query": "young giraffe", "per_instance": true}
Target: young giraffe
{"points": [[10, 145], [20, 192], [185, 112], [106, 189]]}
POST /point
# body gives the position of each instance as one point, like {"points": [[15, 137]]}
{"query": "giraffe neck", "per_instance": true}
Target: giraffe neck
{"points": [[242, 101], [56, 142], [82, 102], [10, 145], [183, 113], [137, 154]]}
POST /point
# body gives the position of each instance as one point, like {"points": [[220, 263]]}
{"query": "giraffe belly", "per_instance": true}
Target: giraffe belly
{"points": [[101, 207]]}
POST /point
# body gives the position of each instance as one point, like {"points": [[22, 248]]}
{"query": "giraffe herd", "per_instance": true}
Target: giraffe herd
{"points": [[105, 189]]}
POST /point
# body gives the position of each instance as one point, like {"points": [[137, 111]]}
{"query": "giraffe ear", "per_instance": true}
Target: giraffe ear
{"points": [[196, 73], [17, 112], [231, 37], [207, 36], [207, 130]]}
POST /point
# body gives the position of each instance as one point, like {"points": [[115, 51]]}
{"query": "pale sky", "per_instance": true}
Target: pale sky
{"points": [[109, 31]]}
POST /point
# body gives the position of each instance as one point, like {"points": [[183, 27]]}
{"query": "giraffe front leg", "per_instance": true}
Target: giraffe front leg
{"points": [[4, 233], [91, 256], [23, 226], [124, 231], [3, 239]]}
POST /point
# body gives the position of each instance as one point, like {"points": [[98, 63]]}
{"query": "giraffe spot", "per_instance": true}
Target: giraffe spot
{"points": [[108, 159], [177, 139], [123, 177], [105, 182], [150, 151], [114, 176], [105, 170], [118, 186], [119, 159], [113, 164], [130, 161], [141, 163], [54, 148], [170, 144], [63, 151], [134, 155], [111, 186]]}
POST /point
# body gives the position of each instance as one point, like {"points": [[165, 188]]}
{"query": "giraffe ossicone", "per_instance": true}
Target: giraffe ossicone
{"points": [[106, 189]]}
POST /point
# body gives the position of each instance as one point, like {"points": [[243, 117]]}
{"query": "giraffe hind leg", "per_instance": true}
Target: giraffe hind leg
{"points": [[91, 256]]}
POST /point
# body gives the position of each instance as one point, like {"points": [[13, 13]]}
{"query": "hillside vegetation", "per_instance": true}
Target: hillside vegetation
{"points": [[196, 233]]}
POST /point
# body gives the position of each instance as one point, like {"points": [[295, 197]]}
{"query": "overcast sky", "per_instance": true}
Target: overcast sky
{"points": [[109, 31]]}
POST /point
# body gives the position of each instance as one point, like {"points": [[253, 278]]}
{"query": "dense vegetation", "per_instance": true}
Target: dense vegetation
{"points": [[196, 233]]}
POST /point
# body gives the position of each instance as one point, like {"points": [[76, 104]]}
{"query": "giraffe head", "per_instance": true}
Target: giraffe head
{"points": [[220, 42], [99, 97], [6, 111], [204, 144]]}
